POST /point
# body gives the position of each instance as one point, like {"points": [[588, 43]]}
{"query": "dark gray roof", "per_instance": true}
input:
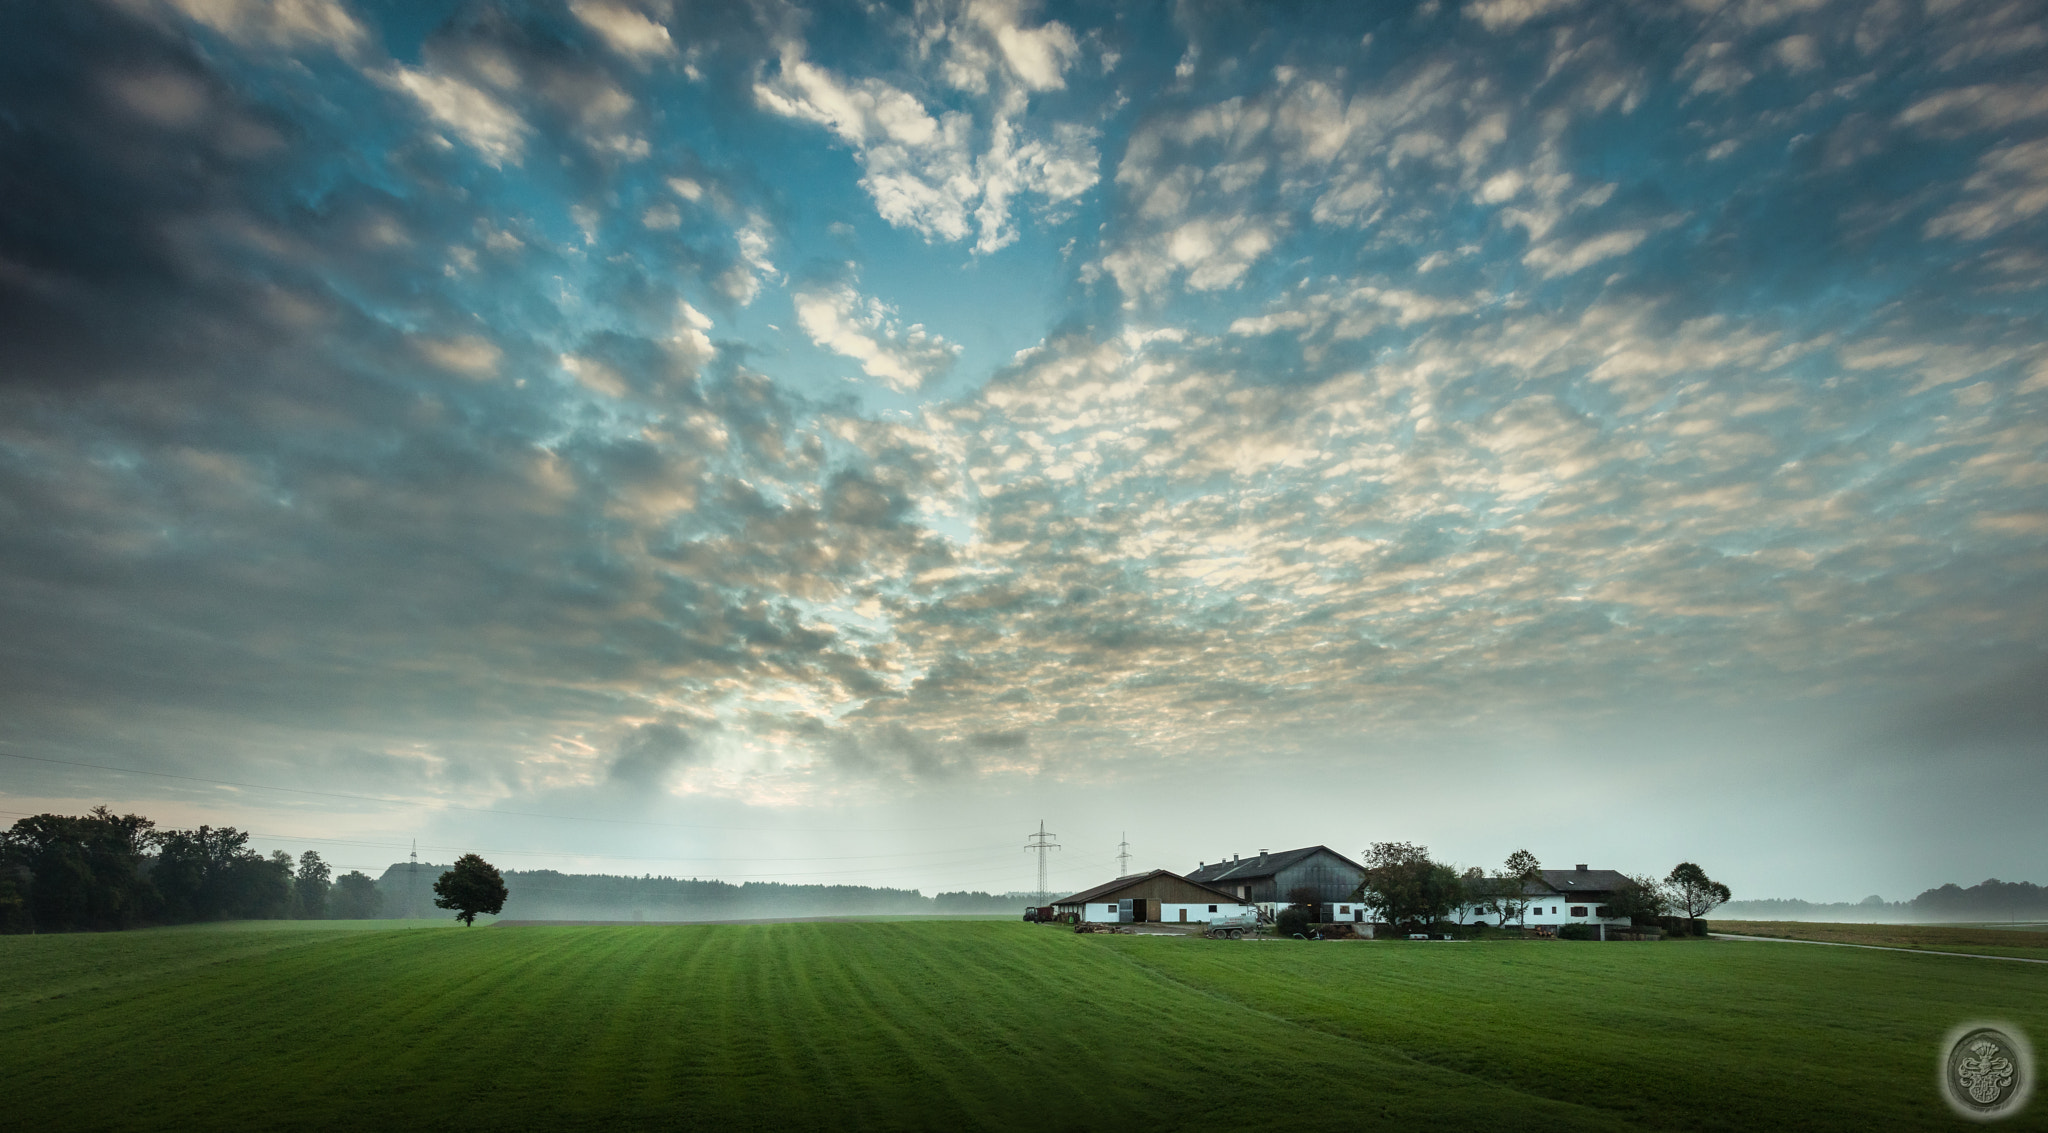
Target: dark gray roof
{"points": [[1560, 883], [1591, 881], [1128, 880], [1246, 869]]}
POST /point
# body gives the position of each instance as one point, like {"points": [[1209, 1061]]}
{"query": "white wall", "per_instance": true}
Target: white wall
{"points": [[1551, 911], [1200, 913], [1105, 912]]}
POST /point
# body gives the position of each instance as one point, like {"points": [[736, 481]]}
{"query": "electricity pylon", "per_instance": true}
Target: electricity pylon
{"points": [[1123, 856], [1041, 842]]}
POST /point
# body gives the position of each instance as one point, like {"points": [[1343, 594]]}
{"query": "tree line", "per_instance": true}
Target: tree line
{"points": [[545, 894], [1989, 900], [102, 871]]}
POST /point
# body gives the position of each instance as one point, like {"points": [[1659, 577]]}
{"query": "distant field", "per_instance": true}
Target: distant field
{"points": [[1990, 940], [972, 1025]]}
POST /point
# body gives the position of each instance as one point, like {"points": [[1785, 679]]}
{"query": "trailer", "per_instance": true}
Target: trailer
{"points": [[1231, 926]]}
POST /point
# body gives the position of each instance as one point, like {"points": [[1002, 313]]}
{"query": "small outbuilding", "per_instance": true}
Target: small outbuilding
{"points": [[1156, 897]]}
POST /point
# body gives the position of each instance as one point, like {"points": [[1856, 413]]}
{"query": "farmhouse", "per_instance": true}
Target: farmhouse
{"points": [[1562, 897], [1270, 879], [1155, 896]]}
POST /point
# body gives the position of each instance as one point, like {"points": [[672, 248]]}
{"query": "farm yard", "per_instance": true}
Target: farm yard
{"points": [[972, 1024]]}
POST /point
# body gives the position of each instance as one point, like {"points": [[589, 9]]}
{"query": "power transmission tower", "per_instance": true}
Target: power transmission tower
{"points": [[1041, 842], [1123, 856]]}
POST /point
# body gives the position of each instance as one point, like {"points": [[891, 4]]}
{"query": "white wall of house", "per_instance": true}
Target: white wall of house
{"points": [[1550, 912], [1105, 912], [1199, 913]]}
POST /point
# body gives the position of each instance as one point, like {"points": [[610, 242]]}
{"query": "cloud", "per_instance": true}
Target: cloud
{"points": [[650, 752], [494, 129], [1985, 106], [2008, 187], [1038, 57], [1557, 257], [624, 29], [1510, 15], [839, 319], [470, 355], [425, 456], [921, 169], [278, 23]]}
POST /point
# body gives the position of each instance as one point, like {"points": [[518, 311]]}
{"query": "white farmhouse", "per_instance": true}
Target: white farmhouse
{"points": [[1561, 897]]}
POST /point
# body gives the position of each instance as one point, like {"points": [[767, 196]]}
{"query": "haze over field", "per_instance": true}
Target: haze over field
{"points": [[815, 443]]}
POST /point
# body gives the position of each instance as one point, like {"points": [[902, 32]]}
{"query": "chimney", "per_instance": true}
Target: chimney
{"points": [[1236, 857], [1262, 857], [1582, 867]]}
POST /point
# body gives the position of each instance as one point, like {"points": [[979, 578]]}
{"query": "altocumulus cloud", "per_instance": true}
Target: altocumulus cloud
{"points": [[433, 403]]}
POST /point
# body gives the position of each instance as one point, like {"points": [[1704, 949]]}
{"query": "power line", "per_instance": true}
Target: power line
{"points": [[954, 859], [437, 805]]}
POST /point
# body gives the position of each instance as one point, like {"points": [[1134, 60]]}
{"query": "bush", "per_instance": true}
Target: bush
{"points": [[1673, 926], [1293, 919], [1578, 932], [1699, 928]]}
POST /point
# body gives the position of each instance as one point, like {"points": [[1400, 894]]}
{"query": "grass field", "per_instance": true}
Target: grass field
{"points": [[1988, 940], [972, 1025]]}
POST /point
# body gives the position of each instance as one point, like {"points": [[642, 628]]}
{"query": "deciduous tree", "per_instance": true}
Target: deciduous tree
{"points": [[1694, 892], [310, 887], [1299, 914], [1402, 885], [355, 897], [473, 886], [211, 874], [82, 872], [1642, 900], [1506, 897]]}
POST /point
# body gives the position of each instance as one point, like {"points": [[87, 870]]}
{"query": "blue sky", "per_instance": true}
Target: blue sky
{"points": [[1609, 428]]}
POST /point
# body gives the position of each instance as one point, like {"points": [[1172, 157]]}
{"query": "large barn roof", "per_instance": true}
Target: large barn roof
{"points": [[1246, 869]]}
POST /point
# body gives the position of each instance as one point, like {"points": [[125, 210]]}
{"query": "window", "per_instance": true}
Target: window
{"points": [[1212, 908], [1578, 910], [1553, 910]]}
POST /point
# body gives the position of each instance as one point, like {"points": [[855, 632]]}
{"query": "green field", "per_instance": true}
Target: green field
{"points": [[973, 1025], [1983, 940]]}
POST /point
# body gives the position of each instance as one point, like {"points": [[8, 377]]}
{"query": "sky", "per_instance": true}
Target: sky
{"points": [[819, 443]]}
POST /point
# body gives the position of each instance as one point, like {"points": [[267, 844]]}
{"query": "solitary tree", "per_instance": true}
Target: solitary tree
{"points": [[1695, 892], [473, 886]]}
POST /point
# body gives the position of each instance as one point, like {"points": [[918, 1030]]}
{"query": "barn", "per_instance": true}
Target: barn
{"points": [[1268, 879], [1158, 896]]}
